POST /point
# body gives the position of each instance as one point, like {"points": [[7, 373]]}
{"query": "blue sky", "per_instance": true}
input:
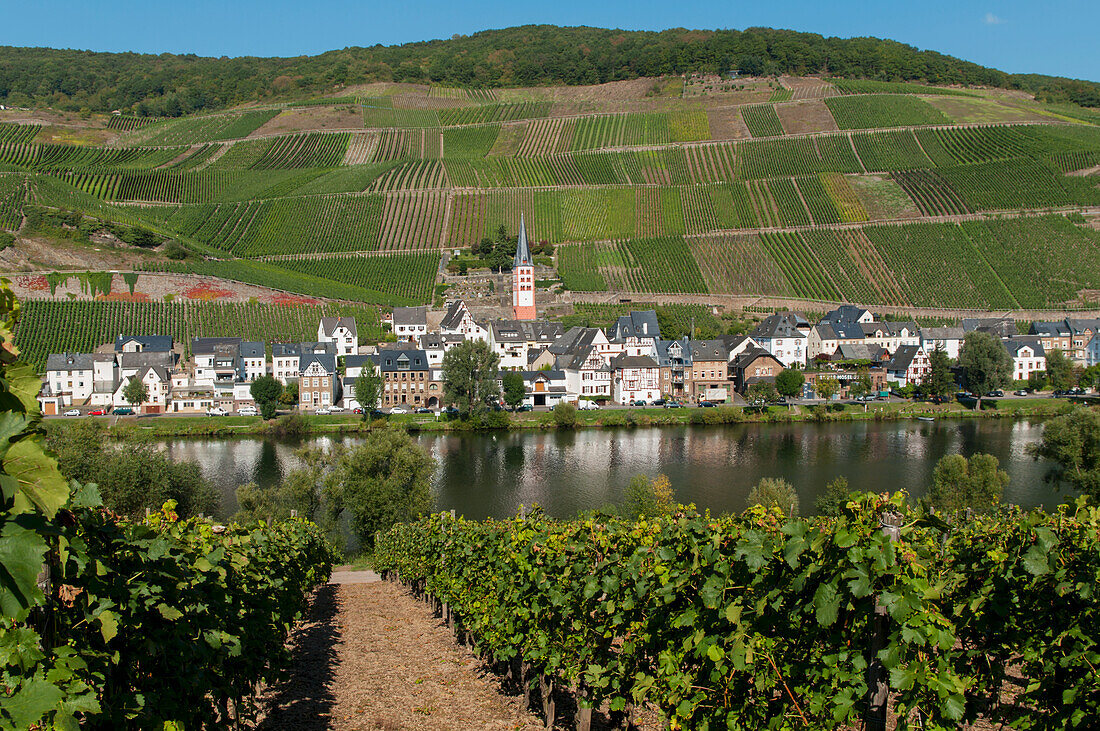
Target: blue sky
{"points": [[1056, 37]]}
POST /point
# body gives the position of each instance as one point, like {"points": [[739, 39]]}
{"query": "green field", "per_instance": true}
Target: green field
{"points": [[662, 194], [42, 328]]}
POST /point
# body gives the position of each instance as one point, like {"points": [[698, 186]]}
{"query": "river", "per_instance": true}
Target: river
{"points": [[490, 475]]}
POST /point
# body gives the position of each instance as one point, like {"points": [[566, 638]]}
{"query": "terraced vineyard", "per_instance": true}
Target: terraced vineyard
{"points": [[643, 194], [41, 329]]}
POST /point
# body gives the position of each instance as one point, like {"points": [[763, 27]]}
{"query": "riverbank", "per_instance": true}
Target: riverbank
{"points": [[159, 427]]}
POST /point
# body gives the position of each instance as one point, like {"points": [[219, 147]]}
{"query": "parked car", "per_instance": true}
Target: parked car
{"points": [[707, 405], [424, 410], [335, 409], [658, 402], [357, 410], [399, 409], [123, 411], [525, 407], [996, 393], [247, 411], [72, 412], [323, 411], [216, 411], [1076, 391], [1021, 392], [451, 411], [673, 405], [587, 405], [98, 412], [638, 402]]}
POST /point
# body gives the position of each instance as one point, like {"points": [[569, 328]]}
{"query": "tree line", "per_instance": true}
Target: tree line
{"points": [[172, 85]]}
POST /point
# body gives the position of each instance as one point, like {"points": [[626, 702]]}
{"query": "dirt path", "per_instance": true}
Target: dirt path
{"points": [[369, 656]]}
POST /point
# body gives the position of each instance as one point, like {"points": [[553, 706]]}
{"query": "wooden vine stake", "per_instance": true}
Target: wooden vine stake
{"points": [[878, 686]]}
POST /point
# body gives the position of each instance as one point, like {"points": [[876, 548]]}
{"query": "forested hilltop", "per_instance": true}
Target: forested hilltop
{"points": [[174, 85]]}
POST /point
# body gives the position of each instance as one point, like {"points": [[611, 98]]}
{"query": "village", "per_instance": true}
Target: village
{"points": [[849, 353]]}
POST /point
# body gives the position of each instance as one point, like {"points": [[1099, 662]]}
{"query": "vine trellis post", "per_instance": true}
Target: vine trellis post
{"points": [[878, 686]]}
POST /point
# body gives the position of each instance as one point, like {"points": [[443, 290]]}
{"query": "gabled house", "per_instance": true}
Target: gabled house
{"points": [[318, 383], [409, 323], [407, 379], [253, 360], [130, 363], [341, 332], [1053, 335], [545, 388], [1028, 356], [786, 336], [635, 378], [1082, 331], [587, 373], [635, 333], [286, 358], [77, 379], [143, 343], [435, 348], [752, 365], [908, 365], [157, 385], [540, 359], [949, 339], [508, 341], [674, 359], [458, 320], [891, 335], [710, 369], [1092, 351]]}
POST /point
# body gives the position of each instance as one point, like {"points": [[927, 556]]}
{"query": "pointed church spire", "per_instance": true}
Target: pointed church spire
{"points": [[523, 254]]}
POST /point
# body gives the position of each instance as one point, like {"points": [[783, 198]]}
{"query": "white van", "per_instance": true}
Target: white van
{"points": [[247, 411], [585, 405]]}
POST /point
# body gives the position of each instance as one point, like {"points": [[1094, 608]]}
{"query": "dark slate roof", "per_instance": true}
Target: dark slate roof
{"points": [[1050, 329], [285, 350], [859, 351], [432, 341], [942, 333], [410, 316], [358, 361], [826, 331], [709, 350], [844, 314], [143, 360], [534, 354], [159, 371], [664, 357], [781, 325], [75, 361], [453, 318], [1079, 326], [207, 346], [741, 361], [1013, 345], [507, 331], [541, 331], [253, 349], [328, 362], [523, 254], [1002, 327], [326, 348], [329, 324], [148, 342], [574, 339], [403, 360], [638, 324], [633, 361], [903, 357], [574, 360]]}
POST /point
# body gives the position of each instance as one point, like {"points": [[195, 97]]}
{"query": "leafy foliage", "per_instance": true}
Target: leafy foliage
{"points": [[755, 622], [959, 483]]}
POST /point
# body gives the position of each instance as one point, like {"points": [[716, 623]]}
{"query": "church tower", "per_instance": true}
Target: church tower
{"points": [[523, 278]]}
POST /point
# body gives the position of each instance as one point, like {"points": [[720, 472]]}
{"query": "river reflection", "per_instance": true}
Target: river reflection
{"points": [[490, 475]]}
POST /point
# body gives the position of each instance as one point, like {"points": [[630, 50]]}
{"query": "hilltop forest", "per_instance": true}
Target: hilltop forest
{"points": [[168, 85]]}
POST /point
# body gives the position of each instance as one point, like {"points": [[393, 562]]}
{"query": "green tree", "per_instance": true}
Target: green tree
{"points": [[470, 376], [789, 383], [775, 492], [647, 498], [265, 392], [1072, 443], [384, 481], [985, 362], [565, 415], [959, 483], [515, 390], [939, 381], [1090, 377], [826, 387], [832, 500], [761, 393], [1037, 380], [368, 389], [135, 392], [290, 394], [1060, 373]]}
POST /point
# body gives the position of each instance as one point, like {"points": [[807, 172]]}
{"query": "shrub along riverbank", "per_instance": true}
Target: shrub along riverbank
{"points": [[292, 425]]}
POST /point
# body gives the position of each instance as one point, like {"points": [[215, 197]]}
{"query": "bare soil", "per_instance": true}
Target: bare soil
{"points": [[40, 253], [306, 119], [726, 124], [806, 116], [370, 656]]}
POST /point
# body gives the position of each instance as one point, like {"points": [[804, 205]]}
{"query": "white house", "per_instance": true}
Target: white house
{"points": [[458, 321], [786, 336], [157, 384], [635, 377], [341, 332], [587, 373], [909, 365], [1028, 356], [635, 334], [253, 360], [545, 388], [508, 341], [1092, 351], [75, 378], [949, 339], [409, 323]]}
